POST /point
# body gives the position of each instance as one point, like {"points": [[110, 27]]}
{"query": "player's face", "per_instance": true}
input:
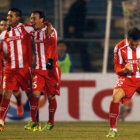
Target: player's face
{"points": [[3, 25], [133, 43], [36, 21], [12, 19]]}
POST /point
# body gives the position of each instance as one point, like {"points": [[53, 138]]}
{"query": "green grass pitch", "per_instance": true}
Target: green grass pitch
{"points": [[72, 131]]}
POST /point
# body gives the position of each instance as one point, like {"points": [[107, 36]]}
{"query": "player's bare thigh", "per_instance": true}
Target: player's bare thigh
{"points": [[118, 94]]}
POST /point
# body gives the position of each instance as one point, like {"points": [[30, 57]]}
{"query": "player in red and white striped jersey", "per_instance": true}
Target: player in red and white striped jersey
{"points": [[127, 67], [17, 71], [46, 75], [3, 47]]}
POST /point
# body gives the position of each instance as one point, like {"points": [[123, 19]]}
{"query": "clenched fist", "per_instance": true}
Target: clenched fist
{"points": [[128, 68]]}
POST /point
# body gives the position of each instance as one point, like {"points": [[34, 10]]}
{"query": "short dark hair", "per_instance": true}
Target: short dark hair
{"points": [[134, 34], [41, 14], [61, 41], [17, 11]]}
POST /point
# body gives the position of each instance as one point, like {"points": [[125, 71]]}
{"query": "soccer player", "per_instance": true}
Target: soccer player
{"points": [[46, 75], [127, 67], [4, 26], [17, 71]]}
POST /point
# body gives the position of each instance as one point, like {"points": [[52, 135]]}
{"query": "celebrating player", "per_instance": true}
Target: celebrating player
{"points": [[17, 71], [3, 51], [46, 75], [127, 67]]}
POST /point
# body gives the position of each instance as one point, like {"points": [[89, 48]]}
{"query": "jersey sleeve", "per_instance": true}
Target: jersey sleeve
{"points": [[29, 29], [118, 61], [53, 48], [2, 36]]}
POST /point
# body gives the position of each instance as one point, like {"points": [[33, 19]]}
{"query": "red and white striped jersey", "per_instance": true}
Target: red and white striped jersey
{"points": [[123, 54], [19, 48], [46, 47], [1, 56]]}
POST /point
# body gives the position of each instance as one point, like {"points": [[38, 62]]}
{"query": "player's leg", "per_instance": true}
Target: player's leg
{"points": [[1, 88], [118, 94], [52, 89], [37, 86], [4, 107], [34, 103], [52, 109], [20, 109]]}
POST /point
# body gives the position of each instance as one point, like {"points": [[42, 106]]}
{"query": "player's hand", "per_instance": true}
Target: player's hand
{"points": [[128, 68], [139, 64], [49, 64], [49, 30]]}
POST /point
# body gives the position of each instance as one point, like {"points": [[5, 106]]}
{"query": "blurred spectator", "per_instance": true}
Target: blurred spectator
{"points": [[64, 59], [74, 27], [74, 22]]}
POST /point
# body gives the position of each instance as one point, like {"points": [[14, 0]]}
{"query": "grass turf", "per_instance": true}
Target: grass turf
{"points": [[72, 131]]}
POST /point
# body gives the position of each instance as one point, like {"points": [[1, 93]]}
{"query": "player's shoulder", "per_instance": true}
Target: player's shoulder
{"points": [[120, 45], [27, 25], [2, 34]]}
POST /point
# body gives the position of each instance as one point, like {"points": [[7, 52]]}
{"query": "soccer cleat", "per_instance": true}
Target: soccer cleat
{"points": [[20, 110], [30, 125], [1, 127], [47, 127], [37, 127], [111, 134]]}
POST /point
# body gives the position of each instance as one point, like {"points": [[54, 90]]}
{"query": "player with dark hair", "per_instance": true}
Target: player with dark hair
{"points": [[46, 75], [4, 26], [127, 67]]}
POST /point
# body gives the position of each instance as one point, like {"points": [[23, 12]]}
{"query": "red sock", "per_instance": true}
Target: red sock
{"points": [[52, 109], [34, 102], [113, 114], [18, 98], [37, 116], [4, 108], [0, 98]]}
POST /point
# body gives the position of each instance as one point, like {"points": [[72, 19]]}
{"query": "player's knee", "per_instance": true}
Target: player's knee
{"points": [[50, 97], [36, 94], [118, 94], [116, 98], [7, 94]]}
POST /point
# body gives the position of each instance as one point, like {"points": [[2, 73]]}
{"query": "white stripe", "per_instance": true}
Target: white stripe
{"points": [[20, 55], [57, 72], [19, 49], [37, 58], [55, 33], [42, 53], [10, 34], [138, 51], [120, 57], [41, 36], [17, 32], [12, 54], [129, 53]]}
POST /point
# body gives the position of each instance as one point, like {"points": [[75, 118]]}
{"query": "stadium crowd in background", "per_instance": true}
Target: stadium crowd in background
{"points": [[74, 28], [64, 59], [126, 66]]}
